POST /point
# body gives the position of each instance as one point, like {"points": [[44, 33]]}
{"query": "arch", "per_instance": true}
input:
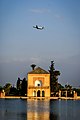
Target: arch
{"points": [[38, 83], [38, 93], [43, 93], [34, 93]]}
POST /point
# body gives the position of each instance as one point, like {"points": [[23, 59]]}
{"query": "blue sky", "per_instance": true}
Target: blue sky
{"points": [[21, 44]]}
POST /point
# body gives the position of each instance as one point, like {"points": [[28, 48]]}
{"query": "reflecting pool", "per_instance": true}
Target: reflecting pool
{"points": [[17, 109]]}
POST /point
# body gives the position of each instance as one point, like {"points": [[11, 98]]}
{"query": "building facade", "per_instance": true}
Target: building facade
{"points": [[2, 94], [38, 83]]}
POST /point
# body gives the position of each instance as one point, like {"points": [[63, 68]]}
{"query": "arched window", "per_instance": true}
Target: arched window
{"points": [[38, 83], [38, 93], [43, 94], [34, 93]]}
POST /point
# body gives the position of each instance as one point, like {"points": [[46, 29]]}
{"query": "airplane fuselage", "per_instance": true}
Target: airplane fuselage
{"points": [[37, 27]]}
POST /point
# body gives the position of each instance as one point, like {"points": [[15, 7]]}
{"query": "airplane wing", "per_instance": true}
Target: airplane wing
{"points": [[41, 28], [34, 27]]}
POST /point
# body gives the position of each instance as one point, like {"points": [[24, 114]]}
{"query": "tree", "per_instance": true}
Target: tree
{"points": [[24, 87], [7, 88], [53, 77], [69, 90], [60, 87], [1, 88], [68, 87], [19, 82], [13, 91]]}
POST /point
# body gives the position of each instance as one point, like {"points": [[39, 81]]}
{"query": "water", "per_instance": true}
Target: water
{"points": [[17, 109]]}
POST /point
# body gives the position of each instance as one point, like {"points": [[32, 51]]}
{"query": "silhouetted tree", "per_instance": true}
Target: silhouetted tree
{"points": [[53, 77], [60, 87], [24, 87], [19, 83], [68, 87], [7, 88], [13, 91], [1, 88]]}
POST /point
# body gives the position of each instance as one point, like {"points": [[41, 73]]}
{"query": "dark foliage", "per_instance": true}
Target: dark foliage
{"points": [[53, 77], [13, 91], [22, 86]]}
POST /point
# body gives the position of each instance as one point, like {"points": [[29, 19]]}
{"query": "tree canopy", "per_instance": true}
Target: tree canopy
{"points": [[53, 77]]}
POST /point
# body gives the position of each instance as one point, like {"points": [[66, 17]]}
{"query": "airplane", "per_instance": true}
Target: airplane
{"points": [[37, 27]]}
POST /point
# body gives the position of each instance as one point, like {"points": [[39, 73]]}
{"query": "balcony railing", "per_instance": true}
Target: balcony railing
{"points": [[37, 87]]}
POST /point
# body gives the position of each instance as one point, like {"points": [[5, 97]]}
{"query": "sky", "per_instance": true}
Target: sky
{"points": [[22, 45]]}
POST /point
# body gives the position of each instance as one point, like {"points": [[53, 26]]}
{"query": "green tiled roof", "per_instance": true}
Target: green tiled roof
{"points": [[38, 70]]}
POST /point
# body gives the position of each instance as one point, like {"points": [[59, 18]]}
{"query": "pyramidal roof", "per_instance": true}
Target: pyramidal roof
{"points": [[38, 70]]}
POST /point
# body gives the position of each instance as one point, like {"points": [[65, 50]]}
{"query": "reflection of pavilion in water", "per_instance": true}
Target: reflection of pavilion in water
{"points": [[41, 110], [38, 110]]}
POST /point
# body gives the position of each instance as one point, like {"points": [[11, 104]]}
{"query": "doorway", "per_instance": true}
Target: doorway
{"points": [[34, 93], [43, 94], [38, 93]]}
